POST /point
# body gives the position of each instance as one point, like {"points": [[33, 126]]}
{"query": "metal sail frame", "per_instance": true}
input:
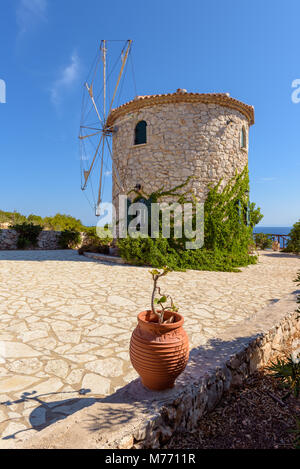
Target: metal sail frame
{"points": [[104, 132]]}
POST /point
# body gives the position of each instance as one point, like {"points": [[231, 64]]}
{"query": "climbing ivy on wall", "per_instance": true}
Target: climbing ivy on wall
{"points": [[229, 219]]}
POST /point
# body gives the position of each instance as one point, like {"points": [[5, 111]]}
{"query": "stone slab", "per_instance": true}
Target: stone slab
{"points": [[134, 417]]}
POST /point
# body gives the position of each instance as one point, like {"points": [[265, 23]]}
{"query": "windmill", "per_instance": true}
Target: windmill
{"points": [[95, 135]]}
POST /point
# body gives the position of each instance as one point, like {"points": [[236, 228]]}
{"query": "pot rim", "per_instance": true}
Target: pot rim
{"points": [[172, 325]]}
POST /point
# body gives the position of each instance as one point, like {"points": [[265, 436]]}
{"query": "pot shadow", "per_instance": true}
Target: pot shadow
{"points": [[117, 410], [47, 413]]}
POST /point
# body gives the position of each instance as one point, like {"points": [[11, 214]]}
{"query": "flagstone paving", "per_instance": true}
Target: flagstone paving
{"points": [[66, 323]]}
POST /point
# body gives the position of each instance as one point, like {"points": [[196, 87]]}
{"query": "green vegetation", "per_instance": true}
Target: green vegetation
{"points": [[97, 242], [294, 241], [63, 222], [12, 218], [288, 372], [58, 222], [229, 219], [30, 227], [69, 239], [28, 234], [262, 240], [165, 302]]}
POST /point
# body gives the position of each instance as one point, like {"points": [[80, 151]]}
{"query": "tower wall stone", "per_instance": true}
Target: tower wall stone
{"points": [[199, 139]]}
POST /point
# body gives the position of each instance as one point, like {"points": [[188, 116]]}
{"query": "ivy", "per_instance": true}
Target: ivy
{"points": [[229, 219]]}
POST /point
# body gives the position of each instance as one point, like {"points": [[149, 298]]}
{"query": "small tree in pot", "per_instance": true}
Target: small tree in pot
{"points": [[163, 300], [159, 347]]}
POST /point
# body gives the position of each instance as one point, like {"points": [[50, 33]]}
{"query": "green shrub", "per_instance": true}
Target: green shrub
{"points": [[28, 234], [62, 222], [13, 218], [35, 220], [288, 372], [228, 225], [262, 240], [97, 248], [158, 252], [93, 235], [294, 241], [69, 239], [95, 243]]}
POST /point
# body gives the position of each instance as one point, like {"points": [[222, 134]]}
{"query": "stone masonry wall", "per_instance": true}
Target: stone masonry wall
{"points": [[202, 396], [46, 240], [183, 139]]}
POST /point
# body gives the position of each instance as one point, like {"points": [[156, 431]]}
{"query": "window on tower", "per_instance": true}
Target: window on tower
{"points": [[140, 135], [243, 138]]}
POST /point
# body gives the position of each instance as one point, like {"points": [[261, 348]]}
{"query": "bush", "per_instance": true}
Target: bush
{"points": [[262, 240], [158, 253], [97, 248], [228, 226], [294, 241], [94, 243], [288, 372], [28, 234], [94, 238], [35, 220], [62, 222], [13, 218], [69, 239]]}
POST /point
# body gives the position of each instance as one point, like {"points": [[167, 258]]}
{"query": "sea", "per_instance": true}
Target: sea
{"points": [[283, 230]]}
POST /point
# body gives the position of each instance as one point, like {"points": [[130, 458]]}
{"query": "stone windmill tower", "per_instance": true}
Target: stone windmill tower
{"points": [[160, 140]]}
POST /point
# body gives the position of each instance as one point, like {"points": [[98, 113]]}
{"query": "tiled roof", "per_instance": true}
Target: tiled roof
{"points": [[182, 96]]}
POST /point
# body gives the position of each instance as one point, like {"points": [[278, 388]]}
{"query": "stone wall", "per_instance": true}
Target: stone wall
{"points": [[8, 239], [184, 139], [184, 412], [47, 239]]}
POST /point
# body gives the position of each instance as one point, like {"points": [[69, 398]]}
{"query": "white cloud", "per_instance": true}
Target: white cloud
{"points": [[67, 77], [108, 173], [267, 179], [29, 12]]}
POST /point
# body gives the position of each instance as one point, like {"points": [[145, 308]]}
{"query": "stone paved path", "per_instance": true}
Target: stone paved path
{"points": [[66, 323]]}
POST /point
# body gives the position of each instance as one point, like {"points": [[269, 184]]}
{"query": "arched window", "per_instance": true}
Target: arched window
{"points": [[140, 135], [243, 138]]}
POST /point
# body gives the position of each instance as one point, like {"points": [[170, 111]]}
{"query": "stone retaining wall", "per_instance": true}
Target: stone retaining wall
{"points": [[47, 239], [184, 413]]}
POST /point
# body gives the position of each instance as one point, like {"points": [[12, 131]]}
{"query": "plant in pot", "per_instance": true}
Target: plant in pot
{"points": [[159, 346]]}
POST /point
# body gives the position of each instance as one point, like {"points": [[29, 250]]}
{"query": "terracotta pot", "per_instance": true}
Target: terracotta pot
{"points": [[159, 352]]}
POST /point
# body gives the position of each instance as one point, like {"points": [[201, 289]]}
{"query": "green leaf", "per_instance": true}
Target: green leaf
{"points": [[163, 299]]}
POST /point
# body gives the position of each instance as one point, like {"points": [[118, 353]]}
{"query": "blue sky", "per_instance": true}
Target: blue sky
{"points": [[249, 49]]}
